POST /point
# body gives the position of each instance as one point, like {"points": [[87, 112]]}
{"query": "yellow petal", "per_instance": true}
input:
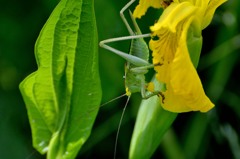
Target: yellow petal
{"points": [[164, 48], [173, 15], [184, 91], [212, 6], [143, 5]]}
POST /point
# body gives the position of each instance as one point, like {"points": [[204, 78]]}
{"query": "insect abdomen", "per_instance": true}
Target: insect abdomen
{"points": [[140, 49]]}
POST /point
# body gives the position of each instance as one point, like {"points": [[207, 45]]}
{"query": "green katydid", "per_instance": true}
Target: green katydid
{"points": [[137, 59], [137, 63]]}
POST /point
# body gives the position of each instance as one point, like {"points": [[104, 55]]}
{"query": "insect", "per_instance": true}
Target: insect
{"points": [[137, 64], [137, 59]]}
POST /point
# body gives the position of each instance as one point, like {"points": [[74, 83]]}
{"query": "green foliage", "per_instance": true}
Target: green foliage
{"points": [[63, 95], [194, 44], [151, 124], [193, 135]]}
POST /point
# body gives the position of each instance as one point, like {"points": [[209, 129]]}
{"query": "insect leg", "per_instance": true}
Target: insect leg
{"points": [[130, 58], [147, 94], [123, 17], [141, 68]]}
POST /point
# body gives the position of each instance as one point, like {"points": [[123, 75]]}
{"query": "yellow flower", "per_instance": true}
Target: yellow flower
{"points": [[174, 67], [144, 5]]}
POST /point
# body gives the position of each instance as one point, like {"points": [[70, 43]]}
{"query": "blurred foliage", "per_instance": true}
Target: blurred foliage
{"points": [[194, 135]]}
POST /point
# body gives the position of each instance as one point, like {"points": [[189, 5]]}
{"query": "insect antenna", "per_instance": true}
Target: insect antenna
{"points": [[31, 154], [119, 126], [113, 100]]}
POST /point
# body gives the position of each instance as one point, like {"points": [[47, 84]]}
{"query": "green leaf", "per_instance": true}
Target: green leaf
{"points": [[151, 124], [63, 95], [194, 44]]}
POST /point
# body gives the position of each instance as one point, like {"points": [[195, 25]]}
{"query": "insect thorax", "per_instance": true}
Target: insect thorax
{"points": [[134, 81]]}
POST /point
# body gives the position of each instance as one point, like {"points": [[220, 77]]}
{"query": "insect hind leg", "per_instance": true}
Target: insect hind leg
{"points": [[141, 69], [130, 58]]}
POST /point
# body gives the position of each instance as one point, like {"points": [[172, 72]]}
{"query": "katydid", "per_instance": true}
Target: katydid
{"points": [[137, 63], [137, 59]]}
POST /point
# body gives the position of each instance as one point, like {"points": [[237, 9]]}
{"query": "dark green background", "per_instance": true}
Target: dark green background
{"points": [[194, 135]]}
